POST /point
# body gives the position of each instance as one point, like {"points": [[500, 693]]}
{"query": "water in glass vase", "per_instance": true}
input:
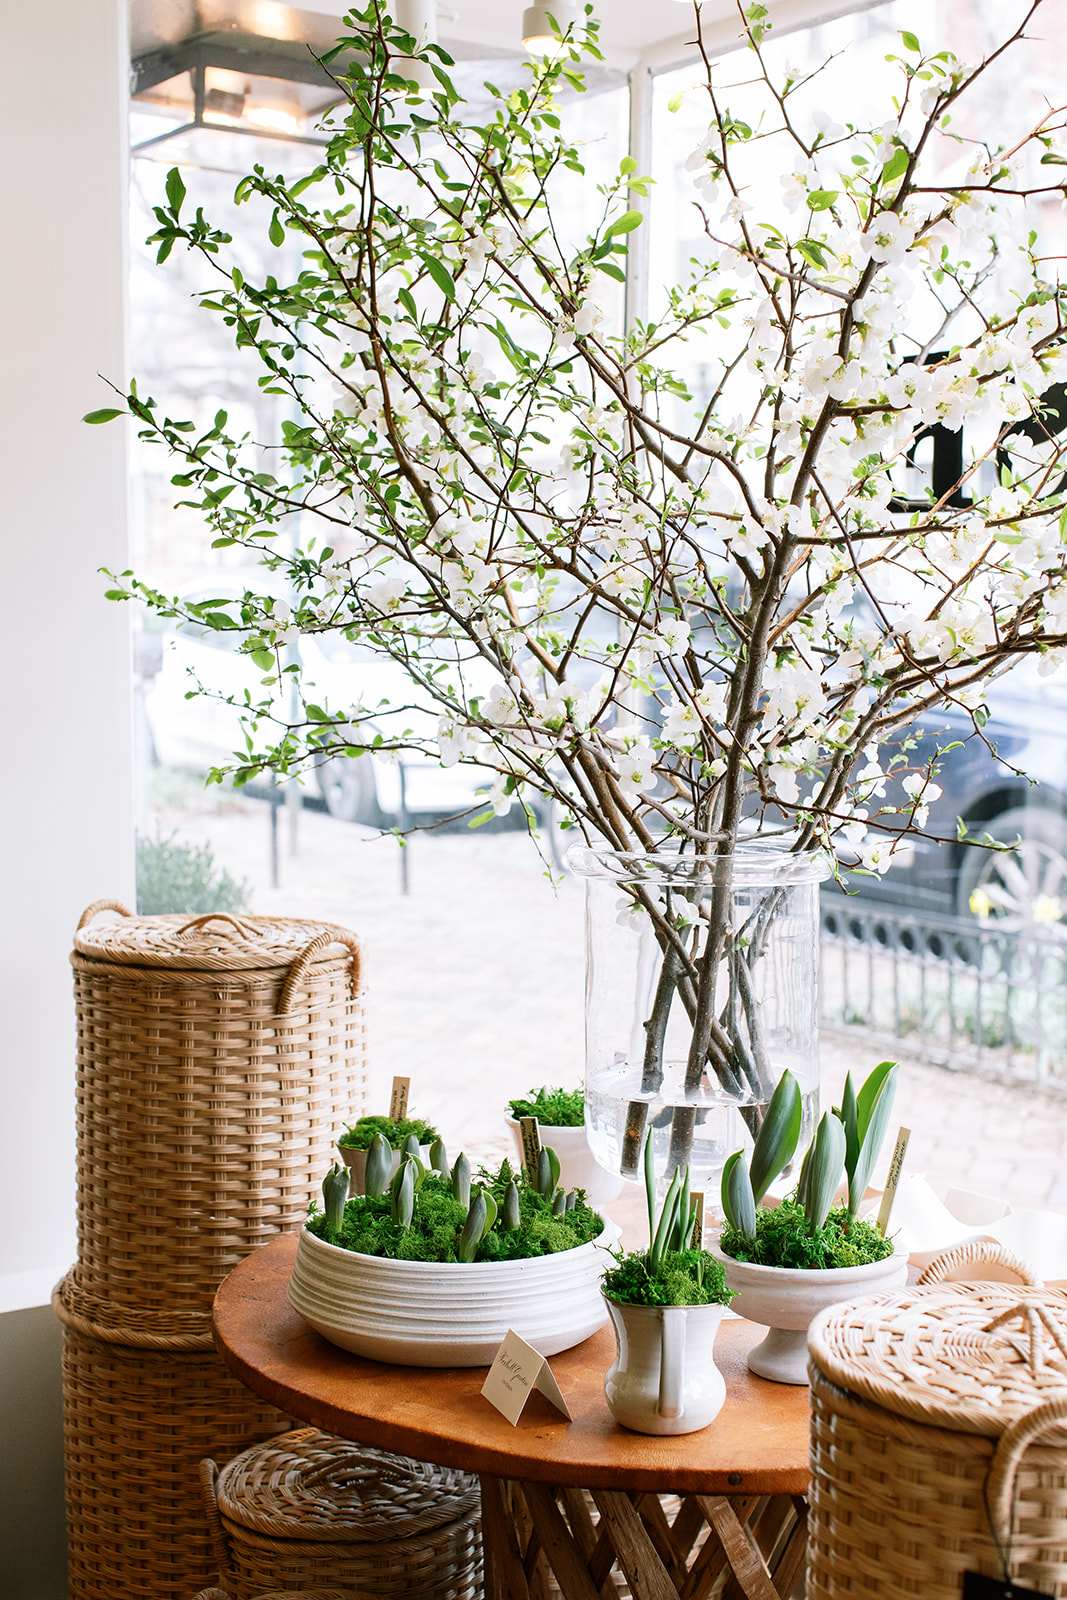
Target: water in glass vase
{"points": [[618, 1117]]}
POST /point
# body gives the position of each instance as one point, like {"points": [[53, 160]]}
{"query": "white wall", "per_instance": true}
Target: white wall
{"points": [[65, 801], [65, 798]]}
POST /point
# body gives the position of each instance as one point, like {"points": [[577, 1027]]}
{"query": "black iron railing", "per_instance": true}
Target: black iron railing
{"points": [[958, 991]]}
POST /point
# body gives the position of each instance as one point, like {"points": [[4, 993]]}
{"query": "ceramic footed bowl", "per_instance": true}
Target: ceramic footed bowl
{"points": [[578, 1167], [788, 1299], [448, 1314]]}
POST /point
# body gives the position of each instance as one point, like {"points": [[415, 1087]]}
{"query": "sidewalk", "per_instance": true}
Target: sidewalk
{"points": [[474, 991]]}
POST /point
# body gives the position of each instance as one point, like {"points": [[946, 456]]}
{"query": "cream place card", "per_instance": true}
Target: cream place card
{"points": [[398, 1100], [530, 1134], [516, 1371]]}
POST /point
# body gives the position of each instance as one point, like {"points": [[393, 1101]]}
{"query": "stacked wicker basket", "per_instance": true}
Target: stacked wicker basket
{"points": [[216, 1058]]}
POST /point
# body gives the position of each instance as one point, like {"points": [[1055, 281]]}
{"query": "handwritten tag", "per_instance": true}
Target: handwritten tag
{"points": [[531, 1145], [516, 1371], [697, 1236], [893, 1179], [398, 1103]]}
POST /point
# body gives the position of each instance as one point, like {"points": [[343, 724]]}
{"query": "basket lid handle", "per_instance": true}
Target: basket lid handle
{"points": [[247, 930], [974, 1253], [101, 905], [1000, 1482], [297, 971]]}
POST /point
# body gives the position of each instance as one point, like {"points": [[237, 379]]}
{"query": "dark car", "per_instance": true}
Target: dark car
{"points": [[1017, 793]]}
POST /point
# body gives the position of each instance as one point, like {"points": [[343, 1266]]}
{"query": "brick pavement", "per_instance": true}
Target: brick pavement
{"points": [[475, 992]]}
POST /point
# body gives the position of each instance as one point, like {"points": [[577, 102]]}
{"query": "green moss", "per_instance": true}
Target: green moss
{"points": [[685, 1278], [782, 1240], [359, 1136], [439, 1218], [556, 1108]]}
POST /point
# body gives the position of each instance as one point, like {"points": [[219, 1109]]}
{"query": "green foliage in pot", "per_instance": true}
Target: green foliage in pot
{"points": [[555, 1108], [672, 1271], [807, 1229], [361, 1134], [424, 1214]]}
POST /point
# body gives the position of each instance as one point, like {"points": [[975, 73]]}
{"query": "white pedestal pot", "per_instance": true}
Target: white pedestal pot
{"points": [[664, 1379], [578, 1166], [450, 1313], [787, 1300]]}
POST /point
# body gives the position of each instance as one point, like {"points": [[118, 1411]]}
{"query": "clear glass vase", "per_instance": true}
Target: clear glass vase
{"points": [[700, 991]]}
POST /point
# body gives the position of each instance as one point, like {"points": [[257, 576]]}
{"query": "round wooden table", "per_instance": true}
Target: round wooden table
{"points": [[587, 1496]]}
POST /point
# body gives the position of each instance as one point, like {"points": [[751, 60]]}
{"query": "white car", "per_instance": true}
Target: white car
{"points": [[199, 731]]}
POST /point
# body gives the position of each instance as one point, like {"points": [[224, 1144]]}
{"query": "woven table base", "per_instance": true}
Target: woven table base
{"points": [[606, 1544]]}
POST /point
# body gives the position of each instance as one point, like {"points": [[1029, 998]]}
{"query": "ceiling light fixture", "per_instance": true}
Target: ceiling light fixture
{"points": [[538, 35]]}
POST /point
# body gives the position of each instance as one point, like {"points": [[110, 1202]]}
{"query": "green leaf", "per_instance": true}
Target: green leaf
{"points": [[897, 164], [627, 165], [911, 42], [675, 101], [778, 1135], [666, 1222], [812, 251], [738, 1201], [473, 1229], [407, 301], [624, 224], [175, 190], [826, 1169], [441, 276], [874, 1107], [276, 233], [822, 199], [849, 1121], [612, 271], [378, 1166], [108, 414]]}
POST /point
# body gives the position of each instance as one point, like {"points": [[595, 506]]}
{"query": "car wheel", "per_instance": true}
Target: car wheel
{"points": [[1023, 889], [348, 788]]}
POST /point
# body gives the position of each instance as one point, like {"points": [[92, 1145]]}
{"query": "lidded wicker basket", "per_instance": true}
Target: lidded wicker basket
{"points": [[939, 1441], [217, 1056], [310, 1509]]}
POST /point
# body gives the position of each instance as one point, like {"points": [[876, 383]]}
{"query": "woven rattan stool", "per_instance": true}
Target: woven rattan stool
{"points": [[939, 1441], [309, 1508], [278, 1594]]}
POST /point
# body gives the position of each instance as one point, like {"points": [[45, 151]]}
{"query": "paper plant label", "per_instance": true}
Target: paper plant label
{"points": [[516, 1371], [531, 1145], [398, 1103], [977, 1587]]}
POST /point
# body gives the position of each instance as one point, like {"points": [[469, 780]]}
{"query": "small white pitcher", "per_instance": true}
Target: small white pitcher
{"points": [[664, 1378]]}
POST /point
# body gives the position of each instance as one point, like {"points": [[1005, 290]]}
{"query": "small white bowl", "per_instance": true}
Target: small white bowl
{"points": [[578, 1167]]}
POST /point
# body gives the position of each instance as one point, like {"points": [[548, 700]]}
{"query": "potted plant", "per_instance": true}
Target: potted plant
{"points": [[563, 1110], [665, 1304], [788, 1262], [429, 1269], [677, 618], [406, 1134]]}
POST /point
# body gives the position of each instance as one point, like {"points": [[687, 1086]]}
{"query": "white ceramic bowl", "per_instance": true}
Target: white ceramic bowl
{"points": [[356, 1162], [448, 1314], [578, 1167]]}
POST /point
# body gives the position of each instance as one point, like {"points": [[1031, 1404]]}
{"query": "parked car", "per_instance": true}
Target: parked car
{"points": [[1017, 793], [196, 732]]}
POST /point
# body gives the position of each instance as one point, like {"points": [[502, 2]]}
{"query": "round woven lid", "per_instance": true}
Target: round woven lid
{"points": [[312, 1485], [219, 942], [972, 1358]]}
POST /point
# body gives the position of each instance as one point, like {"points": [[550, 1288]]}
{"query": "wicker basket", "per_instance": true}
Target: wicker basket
{"points": [[310, 1508], [217, 1057], [137, 1422], [928, 1406]]}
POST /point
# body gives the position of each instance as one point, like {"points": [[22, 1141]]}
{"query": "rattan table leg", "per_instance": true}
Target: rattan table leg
{"points": [[740, 1548]]}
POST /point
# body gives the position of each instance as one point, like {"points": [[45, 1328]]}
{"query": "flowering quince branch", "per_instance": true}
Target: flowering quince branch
{"points": [[673, 623]]}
